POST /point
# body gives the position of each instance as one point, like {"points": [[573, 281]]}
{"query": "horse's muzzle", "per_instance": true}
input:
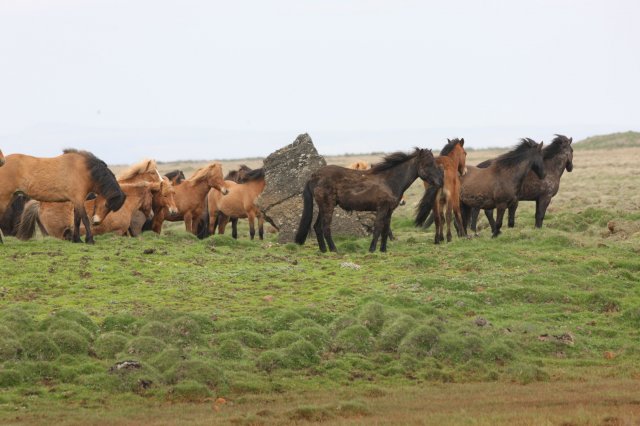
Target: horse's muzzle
{"points": [[95, 220], [224, 191], [402, 202], [173, 212]]}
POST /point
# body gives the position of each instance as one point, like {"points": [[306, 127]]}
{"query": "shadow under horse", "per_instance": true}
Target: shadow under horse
{"points": [[378, 189]]}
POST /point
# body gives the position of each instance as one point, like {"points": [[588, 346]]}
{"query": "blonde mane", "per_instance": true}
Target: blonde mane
{"points": [[143, 167]]}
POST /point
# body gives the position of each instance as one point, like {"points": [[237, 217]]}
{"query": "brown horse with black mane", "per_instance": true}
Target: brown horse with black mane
{"points": [[378, 189], [68, 177], [445, 201], [558, 157], [498, 185]]}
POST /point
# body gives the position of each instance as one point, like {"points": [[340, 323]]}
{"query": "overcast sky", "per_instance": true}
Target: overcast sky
{"points": [[230, 79]]}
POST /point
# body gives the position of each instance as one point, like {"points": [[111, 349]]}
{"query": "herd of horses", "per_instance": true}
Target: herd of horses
{"points": [[76, 194]]}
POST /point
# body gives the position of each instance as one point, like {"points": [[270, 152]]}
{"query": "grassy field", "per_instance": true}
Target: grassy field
{"points": [[535, 327]]}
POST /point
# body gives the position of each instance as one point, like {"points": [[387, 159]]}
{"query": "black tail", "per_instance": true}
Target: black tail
{"points": [[307, 214], [429, 221], [11, 218], [426, 205], [148, 225], [27, 226]]}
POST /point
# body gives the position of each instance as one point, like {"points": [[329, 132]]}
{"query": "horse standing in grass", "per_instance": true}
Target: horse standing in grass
{"points": [[445, 201], [378, 189], [190, 198], [239, 203], [220, 221], [558, 157], [56, 219], [68, 177], [498, 185]]}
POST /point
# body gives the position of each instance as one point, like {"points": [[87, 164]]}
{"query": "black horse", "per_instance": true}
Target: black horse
{"points": [[558, 157], [378, 189], [498, 185]]}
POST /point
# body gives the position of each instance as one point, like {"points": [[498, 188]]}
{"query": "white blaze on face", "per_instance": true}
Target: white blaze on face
{"points": [[96, 219], [464, 172], [224, 190]]}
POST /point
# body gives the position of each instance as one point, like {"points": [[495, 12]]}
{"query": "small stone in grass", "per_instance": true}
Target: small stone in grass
{"points": [[149, 251]]}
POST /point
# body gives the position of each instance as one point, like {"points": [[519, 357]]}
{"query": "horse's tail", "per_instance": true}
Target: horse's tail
{"points": [[426, 205], [11, 217], [30, 216], [307, 214], [429, 221]]}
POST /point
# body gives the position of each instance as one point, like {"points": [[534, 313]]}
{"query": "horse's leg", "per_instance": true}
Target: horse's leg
{"points": [[449, 216], [326, 228], [76, 227], [437, 219], [386, 230], [377, 228], [188, 222], [251, 217], [489, 214], [465, 212], [541, 210], [512, 214], [475, 212], [499, 217], [82, 214], [156, 223], [261, 226], [234, 227], [317, 228]]}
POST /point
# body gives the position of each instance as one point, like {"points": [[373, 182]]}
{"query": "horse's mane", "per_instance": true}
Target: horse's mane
{"points": [[556, 145], [234, 175], [173, 173], [144, 166], [449, 147], [202, 172], [102, 177], [392, 160], [251, 175], [517, 155]]}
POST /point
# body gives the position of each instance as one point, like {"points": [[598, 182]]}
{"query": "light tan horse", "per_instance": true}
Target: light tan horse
{"points": [[239, 202], [190, 197], [359, 165], [68, 177], [56, 219]]}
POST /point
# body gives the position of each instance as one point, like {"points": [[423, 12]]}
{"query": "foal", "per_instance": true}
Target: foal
{"points": [[445, 201]]}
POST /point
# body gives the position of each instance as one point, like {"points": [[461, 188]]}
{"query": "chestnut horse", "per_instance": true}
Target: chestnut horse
{"points": [[445, 201], [558, 157], [190, 198], [221, 220], [56, 219], [498, 185], [68, 177], [378, 189], [239, 203]]}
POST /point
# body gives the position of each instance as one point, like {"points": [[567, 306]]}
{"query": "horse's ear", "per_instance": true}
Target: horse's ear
{"points": [[570, 140], [448, 140], [540, 146], [462, 142]]}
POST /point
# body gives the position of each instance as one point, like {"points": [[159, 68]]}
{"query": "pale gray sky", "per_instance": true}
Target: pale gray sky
{"points": [[207, 79]]}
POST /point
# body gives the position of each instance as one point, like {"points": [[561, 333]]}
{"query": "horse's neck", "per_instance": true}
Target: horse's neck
{"points": [[521, 171], [554, 167], [200, 188], [401, 177]]}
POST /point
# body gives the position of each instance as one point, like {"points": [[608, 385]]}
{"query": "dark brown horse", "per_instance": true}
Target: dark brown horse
{"points": [[558, 157], [176, 176], [445, 201], [68, 177], [498, 185], [378, 189]]}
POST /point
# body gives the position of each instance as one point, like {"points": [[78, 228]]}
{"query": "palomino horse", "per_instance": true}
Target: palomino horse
{"points": [[190, 198], [68, 177], [378, 189], [498, 185], [558, 157], [164, 197], [445, 201], [239, 203], [56, 219]]}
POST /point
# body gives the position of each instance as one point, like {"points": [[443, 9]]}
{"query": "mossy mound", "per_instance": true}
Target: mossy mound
{"points": [[284, 338], [189, 391], [198, 370], [38, 346], [9, 349], [70, 342], [17, 320], [356, 339], [107, 345], [166, 359], [248, 338], [124, 322], [185, 330], [315, 335], [144, 346], [157, 329], [301, 354], [393, 333], [419, 342], [10, 378], [373, 316], [231, 349], [53, 324]]}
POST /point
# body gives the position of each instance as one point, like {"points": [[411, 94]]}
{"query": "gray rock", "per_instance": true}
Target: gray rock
{"points": [[286, 172]]}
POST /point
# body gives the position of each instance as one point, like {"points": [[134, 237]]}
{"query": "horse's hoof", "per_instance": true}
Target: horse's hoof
{"points": [[91, 241]]}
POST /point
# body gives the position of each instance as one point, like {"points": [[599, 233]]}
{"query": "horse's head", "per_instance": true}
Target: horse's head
{"points": [[537, 164], [457, 152], [103, 206], [215, 179], [569, 148], [164, 195], [428, 170], [146, 206]]}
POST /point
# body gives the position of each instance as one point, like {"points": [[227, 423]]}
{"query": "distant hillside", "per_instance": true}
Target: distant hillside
{"points": [[614, 140]]}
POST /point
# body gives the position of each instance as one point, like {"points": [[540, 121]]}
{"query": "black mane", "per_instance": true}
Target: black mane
{"points": [[103, 179], [236, 175], [174, 173], [392, 160], [555, 147], [449, 147], [251, 175], [521, 153]]}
